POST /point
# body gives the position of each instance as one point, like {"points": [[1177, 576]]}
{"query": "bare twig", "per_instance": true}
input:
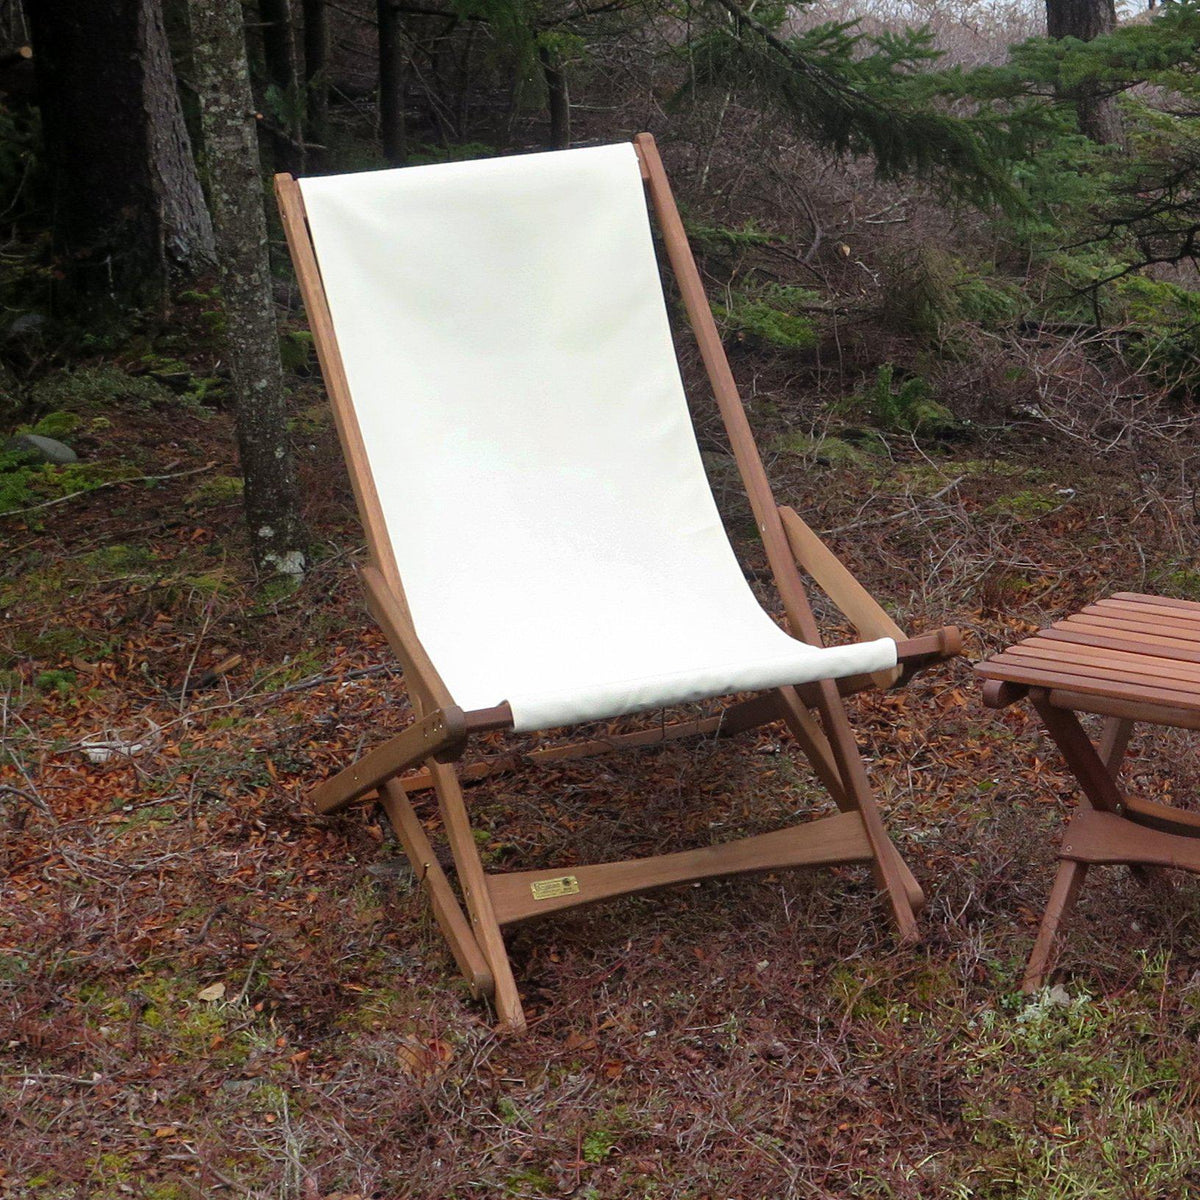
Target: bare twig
{"points": [[16, 512], [313, 681], [896, 516]]}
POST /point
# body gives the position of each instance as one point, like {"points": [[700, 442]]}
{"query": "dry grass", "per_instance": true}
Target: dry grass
{"points": [[968, 33]]}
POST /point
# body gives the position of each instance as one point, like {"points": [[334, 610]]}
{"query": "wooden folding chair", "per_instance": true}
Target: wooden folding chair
{"points": [[494, 340], [1127, 658]]}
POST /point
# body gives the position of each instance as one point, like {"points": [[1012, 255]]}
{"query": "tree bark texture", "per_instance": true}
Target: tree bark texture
{"points": [[1098, 115], [392, 131], [316, 82], [1082, 19], [277, 535], [128, 208]]}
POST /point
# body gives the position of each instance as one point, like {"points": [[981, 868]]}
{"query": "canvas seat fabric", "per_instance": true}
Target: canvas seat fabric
{"points": [[505, 338]]}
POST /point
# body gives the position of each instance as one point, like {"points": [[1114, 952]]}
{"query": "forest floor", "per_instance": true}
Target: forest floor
{"points": [[207, 990]]}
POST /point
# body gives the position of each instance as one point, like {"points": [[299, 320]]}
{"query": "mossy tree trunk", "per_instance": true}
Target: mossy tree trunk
{"points": [[128, 209], [1097, 114], [277, 535]]}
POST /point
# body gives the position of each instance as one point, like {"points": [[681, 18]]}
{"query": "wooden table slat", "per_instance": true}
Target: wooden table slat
{"points": [[1037, 674], [1165, 669], [1130, 648], [1159, 648], [1108, 624], [1164, 601], [1146, 614]]}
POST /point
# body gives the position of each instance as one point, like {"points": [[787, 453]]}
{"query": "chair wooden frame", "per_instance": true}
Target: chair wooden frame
{"points": [[1129, 658], [427, 753]]}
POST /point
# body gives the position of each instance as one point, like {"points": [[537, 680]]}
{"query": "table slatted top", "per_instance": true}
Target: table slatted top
{"points": [[1129, 648]]}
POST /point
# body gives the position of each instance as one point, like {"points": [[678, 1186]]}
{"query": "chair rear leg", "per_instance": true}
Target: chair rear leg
{"points": [[446, 910], [834, 756], [815, 746], [473, 881]]}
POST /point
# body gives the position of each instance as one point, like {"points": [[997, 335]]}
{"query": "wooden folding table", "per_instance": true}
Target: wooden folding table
{"points": [[1128, 658]]}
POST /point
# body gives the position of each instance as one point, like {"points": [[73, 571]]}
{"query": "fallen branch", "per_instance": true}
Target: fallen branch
{"points": [[210, 676], [313, 681], [16, 512], [904, 512]]}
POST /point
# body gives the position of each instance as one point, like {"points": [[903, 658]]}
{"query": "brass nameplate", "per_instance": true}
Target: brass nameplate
{"points": [[551, 889]]}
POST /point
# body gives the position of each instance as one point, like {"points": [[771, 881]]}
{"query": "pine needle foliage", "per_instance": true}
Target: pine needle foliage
{"points": [[851, 94], [1140, 204]]}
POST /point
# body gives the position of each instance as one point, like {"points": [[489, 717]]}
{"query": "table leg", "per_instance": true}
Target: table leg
{"points": [[1062, 899]]}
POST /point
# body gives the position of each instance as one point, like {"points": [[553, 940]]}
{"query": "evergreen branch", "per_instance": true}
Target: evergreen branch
{"points": [[795, 61], [851, 104]]}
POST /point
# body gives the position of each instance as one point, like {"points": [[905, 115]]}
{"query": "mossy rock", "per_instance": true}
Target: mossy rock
{"points": [[59, 424], [296, 349], [218, 489], [37, 448]]}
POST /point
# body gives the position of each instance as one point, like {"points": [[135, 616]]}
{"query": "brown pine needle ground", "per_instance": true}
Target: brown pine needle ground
{"points": [[206, 990]]}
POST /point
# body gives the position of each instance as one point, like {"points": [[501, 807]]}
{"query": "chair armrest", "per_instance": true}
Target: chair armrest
{"points": [[863, 610], [923, 651], [835, 580]]}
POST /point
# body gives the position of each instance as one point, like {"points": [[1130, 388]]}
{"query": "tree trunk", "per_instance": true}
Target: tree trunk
{"points": [[462, 108], [557, 100], [316, 82], [392, 131], [277, 536], [279, 57], [128, 209], [1098, 115]]}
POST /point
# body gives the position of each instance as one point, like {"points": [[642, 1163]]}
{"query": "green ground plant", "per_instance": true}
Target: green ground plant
{"points": [[903, 405], [772, 315]]}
